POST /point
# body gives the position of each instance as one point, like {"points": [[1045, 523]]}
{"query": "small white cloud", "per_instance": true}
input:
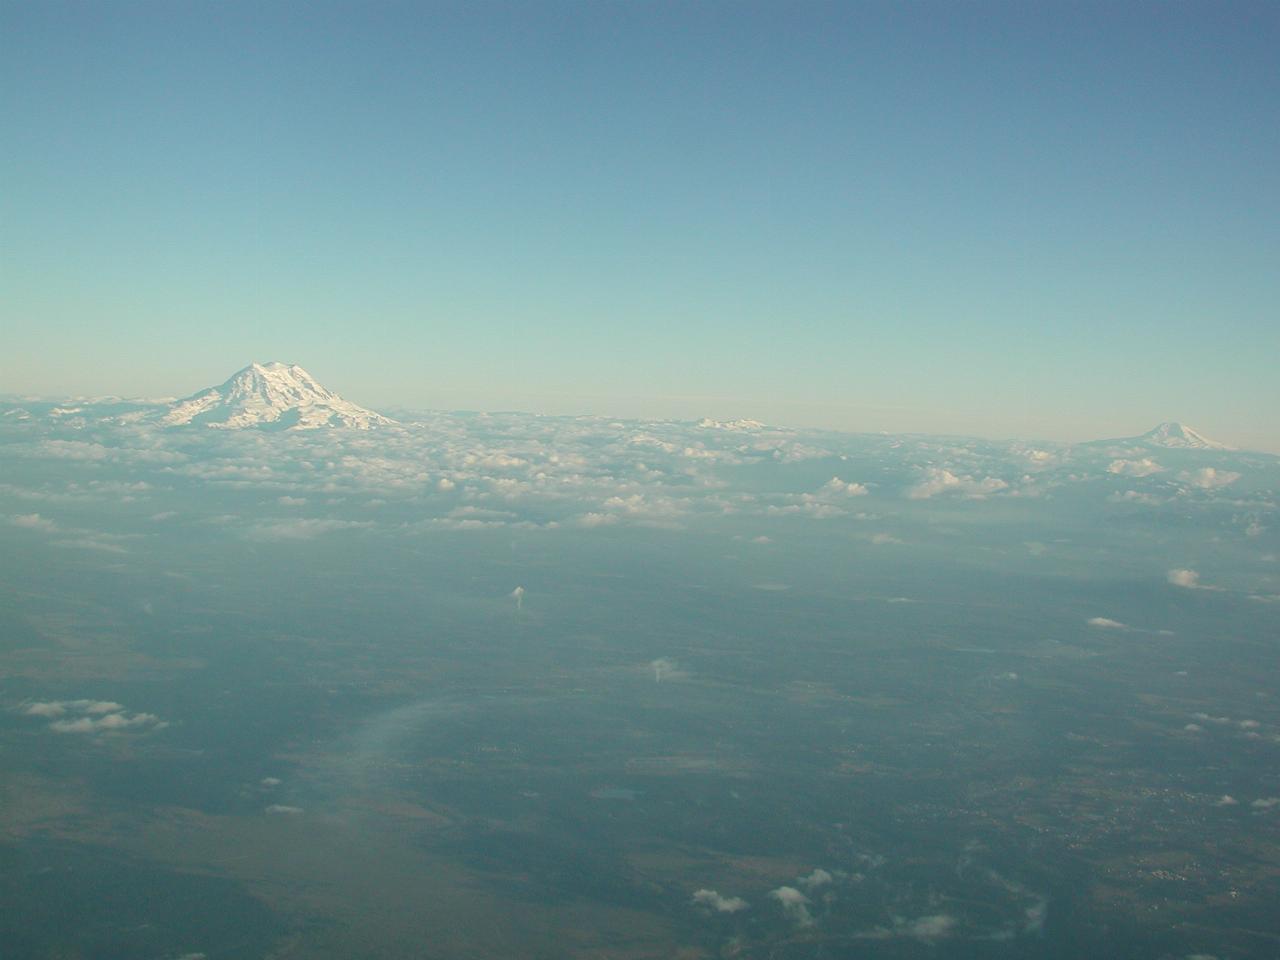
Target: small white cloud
{"points": [[91, 716], [270, 782], [52, 710], [1265, 803], [713, 900], [300, 529], [1034, 916], [1106, 623], [1207, 478], [1184, 578], [1133, 496], [1135, 468], [33, 521], [282, 809], [666, 669], [1208, 718], [1226, 800], [817, 878], [795, 904], [90, 543], [837, 487], [934, 927], [937, 480], [111, 722]]}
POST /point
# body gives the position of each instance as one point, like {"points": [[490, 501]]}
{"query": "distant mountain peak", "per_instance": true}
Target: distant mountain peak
{"points": [[1176, 435], [272, 394]]}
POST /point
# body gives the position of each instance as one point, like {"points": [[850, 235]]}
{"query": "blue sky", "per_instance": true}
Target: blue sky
{"points": [[1053, 220]]}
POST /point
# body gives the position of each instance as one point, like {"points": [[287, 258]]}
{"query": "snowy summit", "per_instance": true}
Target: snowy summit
{"points": [[277, 395], [1181, 437]]}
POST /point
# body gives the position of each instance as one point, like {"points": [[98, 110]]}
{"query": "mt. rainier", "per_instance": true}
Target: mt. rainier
{"points": [[1179, 436], [274, 395]]}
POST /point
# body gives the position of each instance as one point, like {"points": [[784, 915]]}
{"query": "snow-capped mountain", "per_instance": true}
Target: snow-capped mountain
{"points": [[1165, 436], [1179, 436], [277, 395]]}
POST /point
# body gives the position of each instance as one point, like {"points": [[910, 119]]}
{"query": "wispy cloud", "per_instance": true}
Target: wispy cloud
{"points": [[91, 716], [1106, 623]]}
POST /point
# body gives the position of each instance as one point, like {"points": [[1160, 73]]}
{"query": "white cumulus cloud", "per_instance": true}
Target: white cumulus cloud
{"points": [[936, 480], [1208, 478], [794, 903], [1135, 468]]}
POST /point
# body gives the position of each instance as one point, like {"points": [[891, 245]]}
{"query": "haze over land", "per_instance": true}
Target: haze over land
{"points": [[525, 686]]}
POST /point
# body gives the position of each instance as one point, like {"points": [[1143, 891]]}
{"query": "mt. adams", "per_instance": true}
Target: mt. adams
{"points": [[274, 395]]}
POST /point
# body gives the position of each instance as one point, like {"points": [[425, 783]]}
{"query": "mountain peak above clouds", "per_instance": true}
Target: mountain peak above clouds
{"points": [[1179, 436], [273, 395]]}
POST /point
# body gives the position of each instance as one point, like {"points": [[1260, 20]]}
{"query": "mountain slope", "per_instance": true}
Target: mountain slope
{"points": [[271, 395], [1178, 436]]}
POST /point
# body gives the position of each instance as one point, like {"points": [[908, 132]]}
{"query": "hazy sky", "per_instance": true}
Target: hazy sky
{"points": [[1038, 219]]}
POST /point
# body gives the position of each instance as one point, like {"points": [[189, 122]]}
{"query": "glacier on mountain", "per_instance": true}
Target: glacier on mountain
{"points": [[272, 395]]}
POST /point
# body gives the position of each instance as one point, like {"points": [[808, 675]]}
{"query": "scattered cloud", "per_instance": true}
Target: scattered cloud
{"points": [[1135, 468], [1208, 478], [110, 722], [91, 716], [1208, 718], [817, 878], [1106, 623], [795, 904], [934, 927], [714, 901], [928, 929], [936, 480], [58, 708], [666, 669], [300, 529], [837, 487], [1189, 579], [33, 521]]}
